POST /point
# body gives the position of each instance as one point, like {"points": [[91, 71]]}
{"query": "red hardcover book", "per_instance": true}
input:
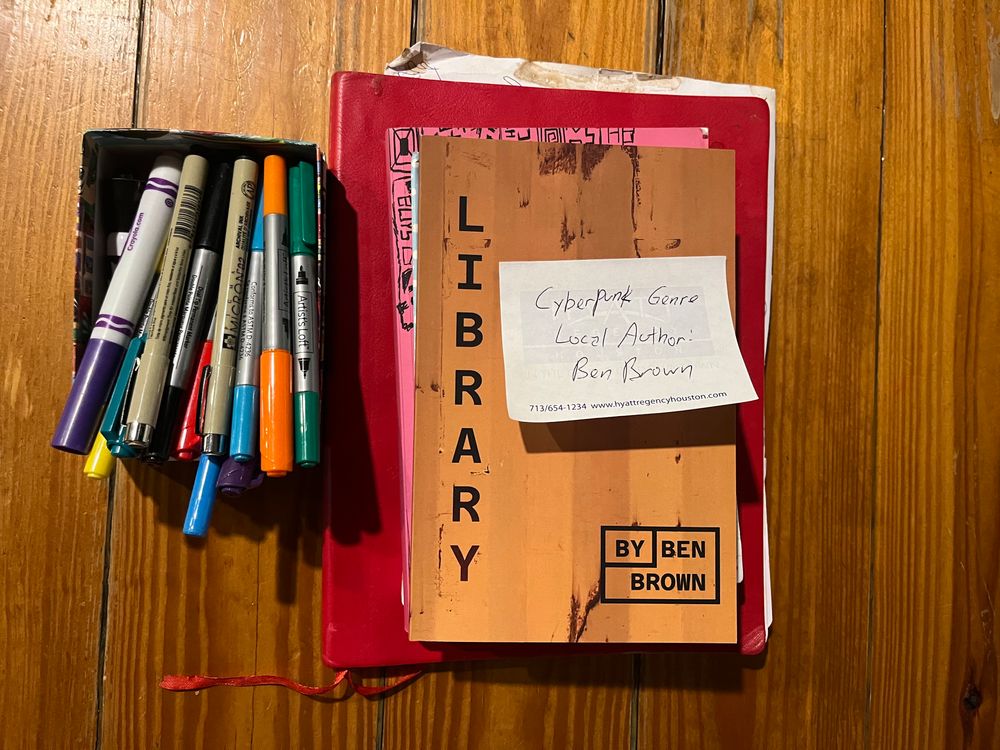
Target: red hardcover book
{"points": [[363, 615]]}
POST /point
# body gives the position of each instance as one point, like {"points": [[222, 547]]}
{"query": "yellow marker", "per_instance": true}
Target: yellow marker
{"points": [[100, 462]]}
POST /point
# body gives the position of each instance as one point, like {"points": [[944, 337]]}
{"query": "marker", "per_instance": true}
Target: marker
{"points": [[122, 305], [100, 462], [113, 424], [144, 406], [196, 314], [246, 400], [188, 444], [219, 396], [235, 478], [305, 365], [199, 512], [276, 453]]}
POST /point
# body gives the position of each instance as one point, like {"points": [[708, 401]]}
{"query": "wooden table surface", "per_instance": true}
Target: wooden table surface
{"points": [[883, 396]]}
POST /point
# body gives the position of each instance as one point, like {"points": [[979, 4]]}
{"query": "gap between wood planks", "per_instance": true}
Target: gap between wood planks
{"points": [[870, 651]]}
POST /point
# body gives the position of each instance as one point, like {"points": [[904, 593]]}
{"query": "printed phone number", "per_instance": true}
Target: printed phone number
{"points": [[556, 407]]}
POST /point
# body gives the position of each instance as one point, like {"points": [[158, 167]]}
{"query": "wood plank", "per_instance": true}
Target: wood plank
{"points": [[65, 66], [571, 702], [247, 601], [809, 689], [566, 702], [937, 554], [613, 34]]}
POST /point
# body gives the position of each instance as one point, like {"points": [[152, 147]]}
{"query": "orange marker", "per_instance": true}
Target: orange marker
{"points": [[277, 453]]}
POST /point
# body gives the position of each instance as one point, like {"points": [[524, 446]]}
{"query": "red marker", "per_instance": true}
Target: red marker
{"points": [[188, 446]]}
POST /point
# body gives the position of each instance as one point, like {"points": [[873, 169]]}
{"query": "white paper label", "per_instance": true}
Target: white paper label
{"points": [[605, 338]]}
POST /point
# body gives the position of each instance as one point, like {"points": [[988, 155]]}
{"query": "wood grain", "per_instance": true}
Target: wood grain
{"points": [[554, 702], [65, 67], [612, 34], [919, 473], [247, 601], [809, 689], [937, 553]]}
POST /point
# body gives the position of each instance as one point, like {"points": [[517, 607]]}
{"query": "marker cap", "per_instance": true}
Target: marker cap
{"points": [[215, 212], [276, 451], [246, 403], [100, 462], [199, 512], [275, 186], [302, 208], [166, 426], [188, 445], [306, 436], [91, 388], [257, 239], [236, 478]]}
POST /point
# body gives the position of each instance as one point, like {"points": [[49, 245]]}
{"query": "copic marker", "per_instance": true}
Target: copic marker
{"points": [[219, 397], [196, 313], [305, 361], [276, 452], [144, 406], [120, 309], [246, 399]]}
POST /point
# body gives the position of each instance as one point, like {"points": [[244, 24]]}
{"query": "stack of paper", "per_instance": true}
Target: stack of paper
{"points": [[576, 291]]}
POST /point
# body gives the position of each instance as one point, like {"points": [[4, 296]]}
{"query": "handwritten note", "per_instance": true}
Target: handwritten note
{"points": [[584, 339]]}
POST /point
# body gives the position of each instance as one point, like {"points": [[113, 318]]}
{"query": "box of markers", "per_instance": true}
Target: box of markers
{"points": [[197, 307]]}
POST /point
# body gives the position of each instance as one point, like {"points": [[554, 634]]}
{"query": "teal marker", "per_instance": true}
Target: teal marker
{"points": [[305, 303], [113, 425], [246, 393]]}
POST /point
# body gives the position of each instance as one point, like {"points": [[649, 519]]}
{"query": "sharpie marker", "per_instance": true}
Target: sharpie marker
{"points": [[203, 493], [246, 401], [100, 462], [276, 453], [196, 314], [122, 304], [305, 362], [113, 424], [187, 447], [144, 406], [219, 396]]}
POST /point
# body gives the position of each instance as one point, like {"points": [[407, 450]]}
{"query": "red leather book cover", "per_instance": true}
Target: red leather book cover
{"points": [[363, 614]]}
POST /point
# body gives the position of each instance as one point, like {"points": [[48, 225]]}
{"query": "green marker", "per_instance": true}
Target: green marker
{"points": [[305, 301]]}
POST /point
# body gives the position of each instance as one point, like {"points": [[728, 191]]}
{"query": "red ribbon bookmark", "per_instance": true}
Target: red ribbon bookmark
{"points": [[186, 682]]}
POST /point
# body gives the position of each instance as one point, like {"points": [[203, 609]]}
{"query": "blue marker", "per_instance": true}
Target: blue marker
{"points": [[246, 393], [199, 512]]}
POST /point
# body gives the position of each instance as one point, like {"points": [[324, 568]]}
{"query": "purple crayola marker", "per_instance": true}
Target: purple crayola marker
{"points": [[120, 310]]}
